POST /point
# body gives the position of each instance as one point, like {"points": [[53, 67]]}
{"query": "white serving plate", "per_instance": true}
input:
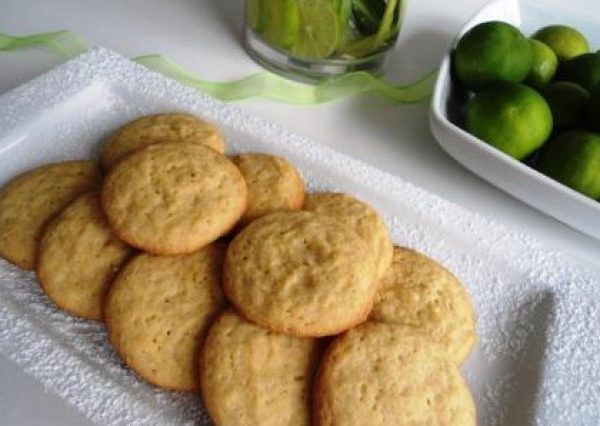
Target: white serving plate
{"points": [[536, 360], [508, 174]]}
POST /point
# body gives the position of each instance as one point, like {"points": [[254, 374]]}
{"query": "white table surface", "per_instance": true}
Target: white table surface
{"points": [[204, 35]]}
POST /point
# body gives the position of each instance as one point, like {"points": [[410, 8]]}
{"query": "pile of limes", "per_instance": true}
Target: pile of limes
{"points": [[536, 99]]}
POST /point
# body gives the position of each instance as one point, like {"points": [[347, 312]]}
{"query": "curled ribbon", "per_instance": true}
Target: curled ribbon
{"points": [[67, 44]]}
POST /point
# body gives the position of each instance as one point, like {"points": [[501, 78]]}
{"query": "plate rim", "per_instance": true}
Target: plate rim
{"points": [[390, 186]]}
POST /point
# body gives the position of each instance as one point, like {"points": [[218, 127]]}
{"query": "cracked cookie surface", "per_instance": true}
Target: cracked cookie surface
{"points": [[301, 273], [359, 216], [256, 377], [274, 184], [173, 198], [380, 375], [419, 292], [160, 128], [32, 199], [158, 311], [79, 257]]}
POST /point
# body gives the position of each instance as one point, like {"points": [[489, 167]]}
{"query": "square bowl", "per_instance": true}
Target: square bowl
{"points": [[491, 164]]}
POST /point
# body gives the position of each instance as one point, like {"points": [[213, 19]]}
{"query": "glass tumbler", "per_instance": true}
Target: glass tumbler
{"points": [[315, 39]]}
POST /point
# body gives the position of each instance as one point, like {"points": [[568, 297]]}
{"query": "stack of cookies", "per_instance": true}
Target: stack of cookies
{"points": [[221, 275]]}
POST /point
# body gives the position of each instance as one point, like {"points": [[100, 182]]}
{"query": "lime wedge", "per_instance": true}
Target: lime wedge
{"points": [[281, 20], [319, 32], [344, 13], [387, 29], [253, 15]]}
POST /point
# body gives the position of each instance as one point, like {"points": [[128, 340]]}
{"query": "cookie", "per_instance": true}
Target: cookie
{"points": [[160, 128], [360, 217], [158, 310], [274, 184], [301, 273], [33, 198], [419, 292], [79, 257], [252, 376], [382, 374], [172, 199]]}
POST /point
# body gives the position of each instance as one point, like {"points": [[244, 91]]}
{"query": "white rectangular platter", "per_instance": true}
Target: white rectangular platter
{"points": [[536, 361], [508, 174]]}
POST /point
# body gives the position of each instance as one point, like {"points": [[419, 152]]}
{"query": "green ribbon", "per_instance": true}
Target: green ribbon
{"points": [[67, 44]]}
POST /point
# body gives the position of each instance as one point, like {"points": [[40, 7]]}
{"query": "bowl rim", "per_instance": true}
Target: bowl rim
{"points": [[441, 119]]}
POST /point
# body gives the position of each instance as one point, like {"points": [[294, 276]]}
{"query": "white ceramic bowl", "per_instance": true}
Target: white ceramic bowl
{"points": [[508, 174]]}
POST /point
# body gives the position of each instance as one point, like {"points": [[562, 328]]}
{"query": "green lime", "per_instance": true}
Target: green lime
{"points": [[593, 112], [281, 22], [565, 41], [319, 33], [253, 15], [568, 102], [511, 117], [573, 158], [583, 70], [543, 66], [490, 52]]}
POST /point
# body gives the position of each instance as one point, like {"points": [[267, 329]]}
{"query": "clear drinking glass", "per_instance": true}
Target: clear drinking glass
{"points": [[315, 39]]}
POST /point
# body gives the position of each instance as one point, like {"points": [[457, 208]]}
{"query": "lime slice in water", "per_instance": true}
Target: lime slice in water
{"points": [[281, 20], [319, 32]]}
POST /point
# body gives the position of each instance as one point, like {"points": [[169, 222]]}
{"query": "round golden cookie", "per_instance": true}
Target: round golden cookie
{"points": [[360, 217], [252, 376], [79, 257], [173, 198], [382, 374], [160, 128], [301, 273], [419, 292], [158, 311], [274, 184], [30, 200]]}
